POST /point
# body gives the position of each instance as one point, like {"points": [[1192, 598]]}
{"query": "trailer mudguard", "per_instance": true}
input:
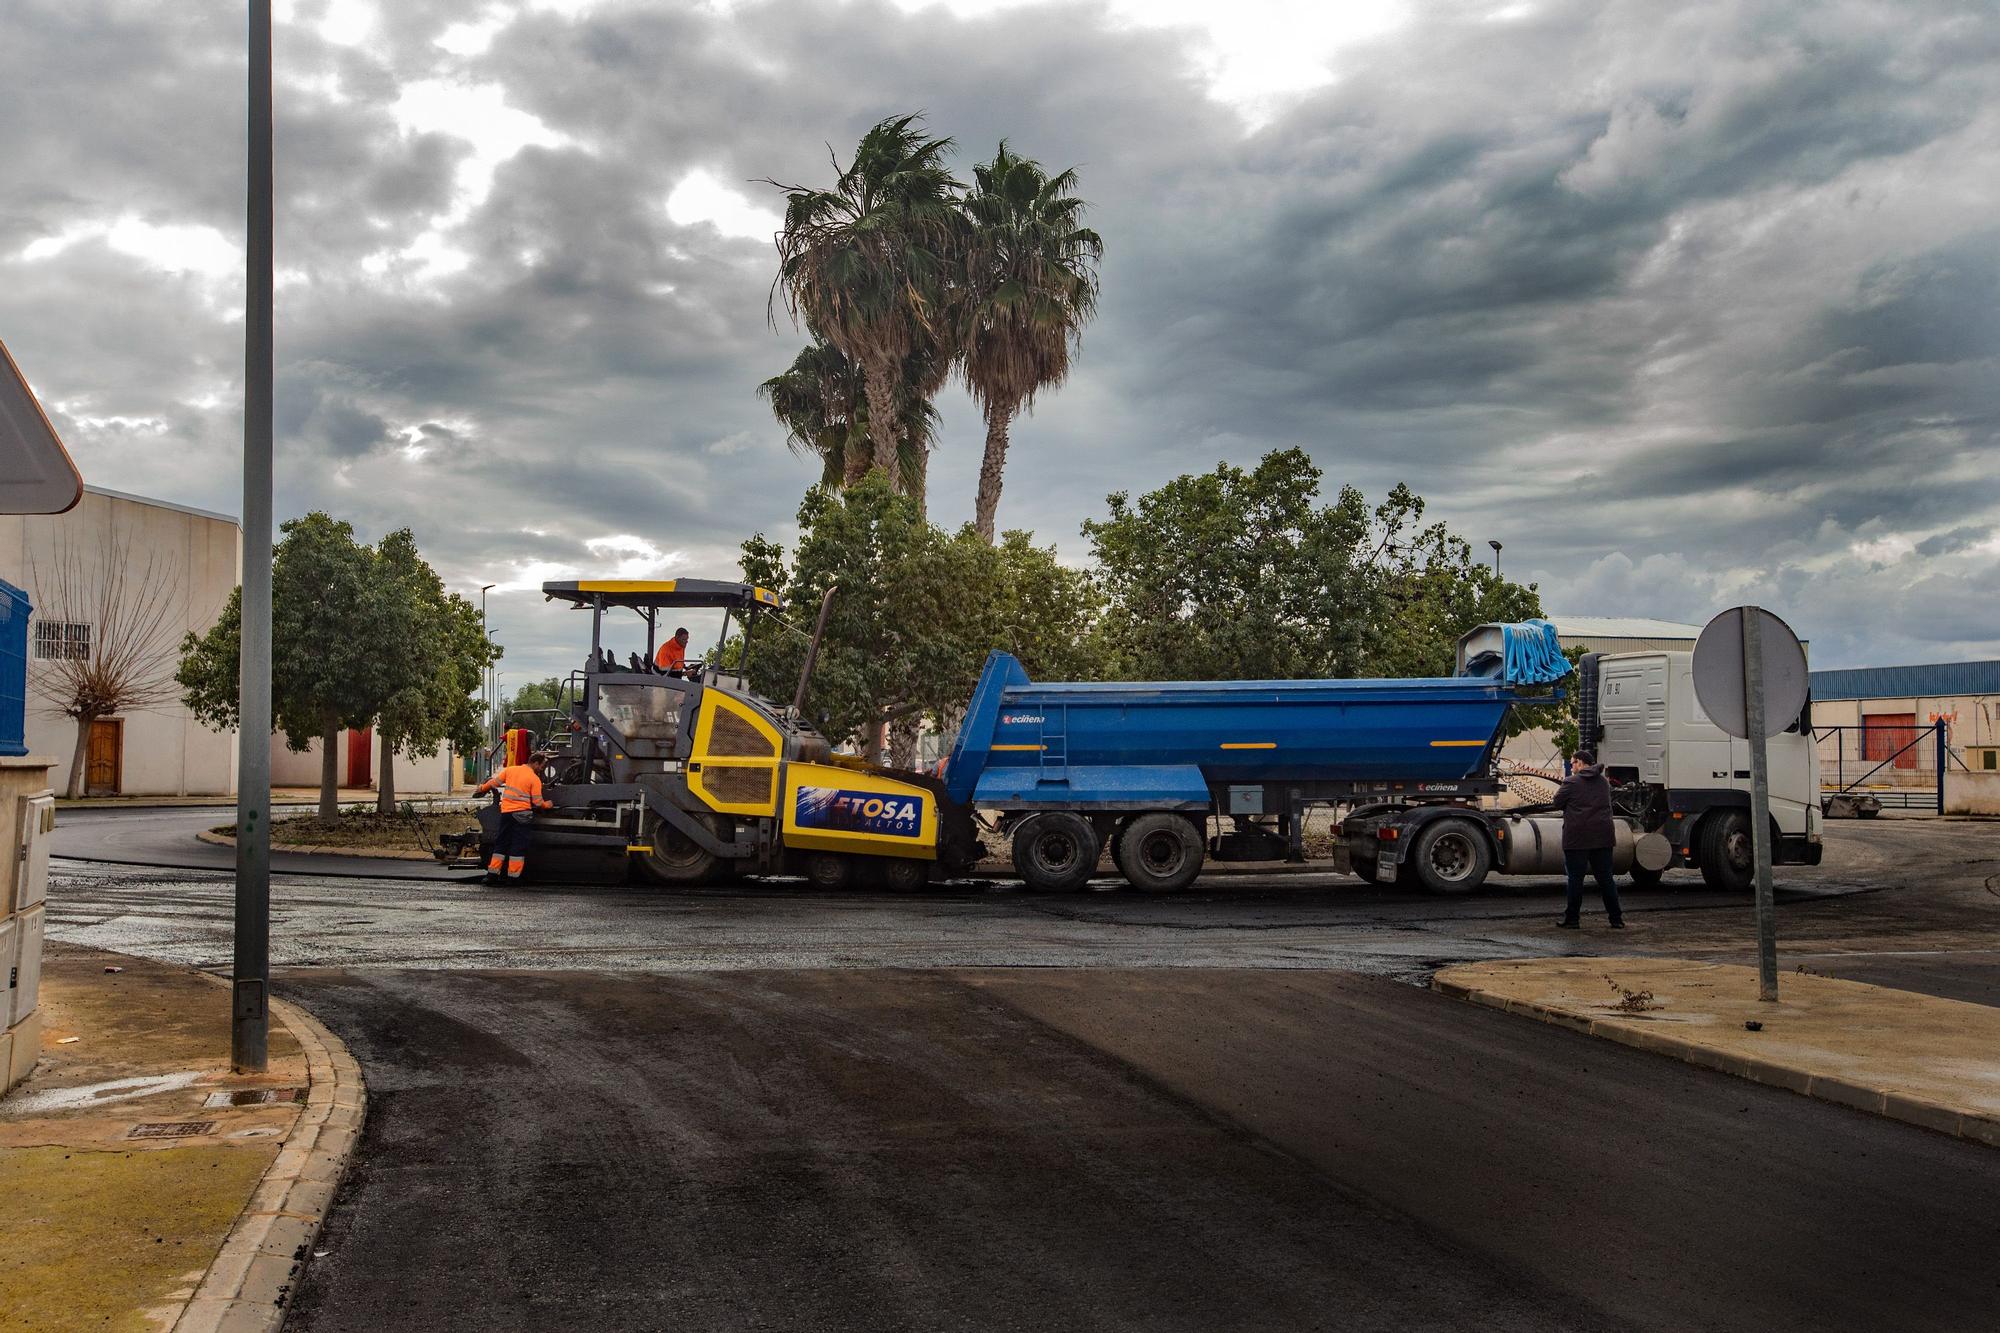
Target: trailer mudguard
{"points": [[1096, 787]]}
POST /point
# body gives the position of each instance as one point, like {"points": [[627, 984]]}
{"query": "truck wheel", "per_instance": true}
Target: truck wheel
{"points": [[1643, 878], [676, 858], [1159, 852], [1055, 852], [829, 871], [1450, 856], [1366, 869], [1728, 858], [903, 874]]}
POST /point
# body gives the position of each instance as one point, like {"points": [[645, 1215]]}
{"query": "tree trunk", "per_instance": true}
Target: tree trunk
{"points": [[329, 770], [855, 461], [990, 469], [923, 485], [873, 747], [903, 734], [385, 790], [882, 418], [79, 765]]}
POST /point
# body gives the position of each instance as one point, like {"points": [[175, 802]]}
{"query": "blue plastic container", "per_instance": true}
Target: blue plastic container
{"points": [[14, 610]]}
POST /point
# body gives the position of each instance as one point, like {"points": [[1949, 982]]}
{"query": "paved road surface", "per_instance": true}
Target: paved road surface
{"points": [[1159, 1150], [155, 837], [1297, 921]]}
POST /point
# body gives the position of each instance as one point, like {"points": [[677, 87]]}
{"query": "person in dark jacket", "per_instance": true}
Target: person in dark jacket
{"points": [[1588, 836]]}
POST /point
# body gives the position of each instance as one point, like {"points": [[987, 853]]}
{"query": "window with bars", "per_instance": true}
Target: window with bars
{"points": [[62, 640]]}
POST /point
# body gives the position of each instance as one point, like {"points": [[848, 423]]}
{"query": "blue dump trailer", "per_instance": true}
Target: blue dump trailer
{"points": [[1068, 767]]}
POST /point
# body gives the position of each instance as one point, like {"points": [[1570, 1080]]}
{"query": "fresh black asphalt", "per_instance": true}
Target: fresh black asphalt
{"points": [[1097, 1149]]}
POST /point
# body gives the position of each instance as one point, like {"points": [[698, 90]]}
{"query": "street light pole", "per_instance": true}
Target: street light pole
{"points": [[250, 976], [486, 687], [1496, 556]]}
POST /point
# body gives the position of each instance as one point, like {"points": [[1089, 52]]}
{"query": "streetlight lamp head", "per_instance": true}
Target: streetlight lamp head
{"points": [[1494, 544]]}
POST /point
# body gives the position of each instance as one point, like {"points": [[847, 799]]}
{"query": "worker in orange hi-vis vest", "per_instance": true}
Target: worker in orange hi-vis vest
{"points": [[520, 788], [673, 655]]}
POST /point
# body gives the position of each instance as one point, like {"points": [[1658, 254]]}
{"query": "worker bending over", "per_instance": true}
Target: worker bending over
{"points": [[520, 788], [673, 655]]}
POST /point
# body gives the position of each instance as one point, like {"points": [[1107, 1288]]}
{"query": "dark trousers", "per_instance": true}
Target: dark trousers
{"points": [[1576, 860], [512, 838]]}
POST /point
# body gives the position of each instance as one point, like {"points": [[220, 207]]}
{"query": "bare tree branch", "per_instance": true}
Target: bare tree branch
{"points": [[127, 662]]}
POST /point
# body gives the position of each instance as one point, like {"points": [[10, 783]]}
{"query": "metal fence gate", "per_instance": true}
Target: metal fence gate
{"points": [[1889, 757]]}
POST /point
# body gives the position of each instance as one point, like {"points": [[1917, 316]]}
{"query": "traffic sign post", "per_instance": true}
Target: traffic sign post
{"points": [[1750, 671]]}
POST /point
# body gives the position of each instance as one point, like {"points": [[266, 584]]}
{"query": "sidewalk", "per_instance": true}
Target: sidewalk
{"points": [[1910, 1057], [139, 1178], [280, 796]]}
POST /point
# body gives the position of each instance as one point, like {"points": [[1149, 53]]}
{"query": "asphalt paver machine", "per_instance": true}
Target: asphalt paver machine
{"points": [[692, 777]]}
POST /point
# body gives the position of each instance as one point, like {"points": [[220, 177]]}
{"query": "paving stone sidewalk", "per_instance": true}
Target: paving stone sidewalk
{"points": [[1918, 1058]]}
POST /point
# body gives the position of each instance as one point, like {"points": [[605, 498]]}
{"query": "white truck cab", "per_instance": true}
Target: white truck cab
{"points": [[1683, 776]]}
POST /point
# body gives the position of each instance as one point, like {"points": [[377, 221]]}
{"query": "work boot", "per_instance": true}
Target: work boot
{"points": [[1568, 924], [1618, 923]]}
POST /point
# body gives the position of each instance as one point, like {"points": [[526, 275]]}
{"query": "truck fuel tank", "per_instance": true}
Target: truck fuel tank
{"points": [[1534, 846]]}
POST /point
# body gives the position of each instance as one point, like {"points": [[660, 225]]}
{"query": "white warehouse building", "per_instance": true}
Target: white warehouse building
{"points": [[71, 566]]}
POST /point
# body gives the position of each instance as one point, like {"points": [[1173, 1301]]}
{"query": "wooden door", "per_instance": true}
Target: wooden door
{"points": [[361, 757], [104, 766]]}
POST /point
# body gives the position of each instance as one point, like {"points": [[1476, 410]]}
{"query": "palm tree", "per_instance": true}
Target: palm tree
{"points": [[821, 400], [1030, 287], [864, 265]]}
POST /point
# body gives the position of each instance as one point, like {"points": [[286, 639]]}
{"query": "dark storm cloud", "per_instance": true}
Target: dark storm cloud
{"points": [[1689, 304]]}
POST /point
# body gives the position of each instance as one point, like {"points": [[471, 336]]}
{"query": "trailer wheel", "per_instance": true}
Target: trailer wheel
{"points": [[1450, 856], [829, 871], [1643, 878], [903, 874], [1055, 852], [676, 858], [1159, 852], [1728, 857], [1366, 869]]}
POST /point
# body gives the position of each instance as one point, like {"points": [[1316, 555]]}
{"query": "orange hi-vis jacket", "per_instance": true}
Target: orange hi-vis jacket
{"points": [[671, 657], [520, 788]]}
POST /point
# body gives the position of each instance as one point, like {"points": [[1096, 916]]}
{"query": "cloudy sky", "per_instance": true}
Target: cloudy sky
{"points": [[1687, 304]]}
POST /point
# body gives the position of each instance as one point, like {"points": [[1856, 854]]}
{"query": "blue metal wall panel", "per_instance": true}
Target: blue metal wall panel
{"points": [[1908, 682], [13, 669]]}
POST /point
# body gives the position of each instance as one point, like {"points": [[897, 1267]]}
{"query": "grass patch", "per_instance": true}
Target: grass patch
{"points": [[361, 826]]}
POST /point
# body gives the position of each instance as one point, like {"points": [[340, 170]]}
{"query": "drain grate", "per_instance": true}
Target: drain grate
{"points": [[252, 1097], [170, 1129]]}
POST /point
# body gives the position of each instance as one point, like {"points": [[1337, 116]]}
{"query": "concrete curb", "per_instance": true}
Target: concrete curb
{"points": [[314, 849], [1887, 1102], [245, 1289]]}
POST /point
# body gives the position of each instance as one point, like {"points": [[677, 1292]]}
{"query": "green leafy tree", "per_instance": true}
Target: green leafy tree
{"points": [[530, 705], [359, 636], [916, 612], [329, 667], [1245, 574], [442, 654], [866, 267], [1029, 287]]}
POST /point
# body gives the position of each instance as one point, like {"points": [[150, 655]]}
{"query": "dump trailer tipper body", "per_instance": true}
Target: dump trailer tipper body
{"points": [[1068, 766]]}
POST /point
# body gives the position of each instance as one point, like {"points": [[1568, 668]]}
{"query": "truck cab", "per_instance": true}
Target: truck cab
{"points": [[1683, 776]]}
